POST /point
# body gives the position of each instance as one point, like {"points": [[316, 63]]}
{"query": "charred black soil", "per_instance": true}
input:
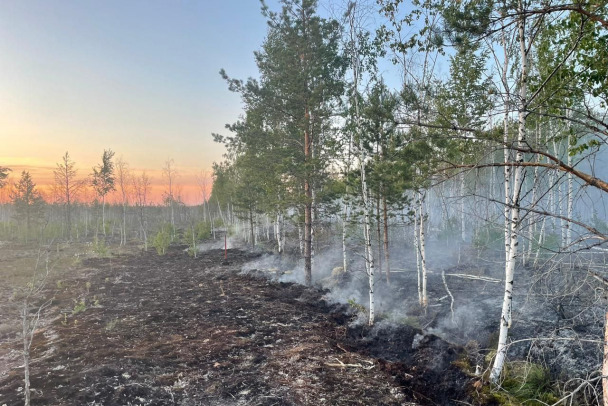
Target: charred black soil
{"points": [[174, 330]]}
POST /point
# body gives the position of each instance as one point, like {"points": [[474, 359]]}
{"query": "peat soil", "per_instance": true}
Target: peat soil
{"points": [[144, 329]]}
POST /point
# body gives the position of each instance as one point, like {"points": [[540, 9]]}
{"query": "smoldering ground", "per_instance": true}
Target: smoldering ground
{"points": [[557, 308]]}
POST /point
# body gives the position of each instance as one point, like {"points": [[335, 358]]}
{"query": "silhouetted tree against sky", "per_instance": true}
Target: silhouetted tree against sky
{"points": [[29, 204], [67, 187], [3, 175], [103, 180]]}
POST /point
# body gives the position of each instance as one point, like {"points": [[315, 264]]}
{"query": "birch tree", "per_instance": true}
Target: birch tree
{"points": [[355, 54], [170, 175], [123, 176], [141, 186], [31, 311], [514, 215]]}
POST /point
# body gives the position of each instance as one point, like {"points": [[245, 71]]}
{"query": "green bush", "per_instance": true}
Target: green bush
{"points": [[162, 239], [100, 247], [79, 307], [524, 383], [528, 382]]}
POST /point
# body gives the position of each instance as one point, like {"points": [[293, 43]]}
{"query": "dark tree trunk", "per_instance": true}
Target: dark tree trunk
{"points": [[386, 244]]}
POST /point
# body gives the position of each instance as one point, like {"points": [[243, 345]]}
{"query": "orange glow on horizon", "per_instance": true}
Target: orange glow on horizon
{"points": [[188, 187]]}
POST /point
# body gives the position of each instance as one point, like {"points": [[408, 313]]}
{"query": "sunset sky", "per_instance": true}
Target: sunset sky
{"points": [[138, 77]]}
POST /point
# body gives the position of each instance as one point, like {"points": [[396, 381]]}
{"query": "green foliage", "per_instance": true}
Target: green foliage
{"points": [[110, 325], [527, 383], [3, 175], [100, 247], [162, 239], [79, 307], [288, 114], [194, 234], [103, 174], [29, 205], [359, 308]]}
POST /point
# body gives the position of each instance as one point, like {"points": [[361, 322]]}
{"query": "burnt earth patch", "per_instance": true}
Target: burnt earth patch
{"points": [[175, 330]]}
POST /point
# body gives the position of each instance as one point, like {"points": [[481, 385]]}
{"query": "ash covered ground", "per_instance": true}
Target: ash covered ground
{"points": [[144, 329]]}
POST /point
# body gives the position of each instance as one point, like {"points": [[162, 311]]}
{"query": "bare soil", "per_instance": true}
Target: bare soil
{"points": [[144, 329]]}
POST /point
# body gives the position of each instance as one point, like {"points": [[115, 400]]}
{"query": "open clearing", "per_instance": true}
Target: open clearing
{"points": [[143, 329]]}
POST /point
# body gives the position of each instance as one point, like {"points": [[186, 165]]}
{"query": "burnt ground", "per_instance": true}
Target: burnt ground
{"points": [[144, 329]]}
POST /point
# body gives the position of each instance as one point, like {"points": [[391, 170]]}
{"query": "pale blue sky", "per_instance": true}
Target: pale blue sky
{"points": [[140, 77]]}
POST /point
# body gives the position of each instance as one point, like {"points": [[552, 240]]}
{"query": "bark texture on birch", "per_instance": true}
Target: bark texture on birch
{"points": [[422, 247], [511, 250]]}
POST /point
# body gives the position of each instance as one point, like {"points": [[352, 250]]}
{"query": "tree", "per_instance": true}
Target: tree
{"points": [[202, 181], [3, 175], [141, 186], [354, 52], [170, 174], [301, 81], [573, 69], [103, 180], [29, 204], [31, 311], [123, 176], [67, 187]]}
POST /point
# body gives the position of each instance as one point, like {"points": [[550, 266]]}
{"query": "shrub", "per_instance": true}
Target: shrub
{"points": [[100, 247], [162, 239]]}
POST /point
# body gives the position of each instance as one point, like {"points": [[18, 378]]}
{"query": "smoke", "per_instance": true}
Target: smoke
{"points": [[474, 278]]}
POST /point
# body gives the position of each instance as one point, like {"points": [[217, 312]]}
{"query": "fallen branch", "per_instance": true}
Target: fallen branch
{"points": [[598, 277], [474, 277], [342, 348], [341, 364]]}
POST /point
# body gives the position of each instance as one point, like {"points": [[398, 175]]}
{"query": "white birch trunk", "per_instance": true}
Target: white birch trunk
{"points": [[425, 299], [506, 314], [541, 240], [507, 169], [27, 342], [570, 197], [282, 232], [277, 233], [463, 229], [417, 248], [369, 255], [344, 222]]}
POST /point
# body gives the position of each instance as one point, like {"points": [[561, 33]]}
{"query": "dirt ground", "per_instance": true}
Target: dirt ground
{"points": [[144, 329]]}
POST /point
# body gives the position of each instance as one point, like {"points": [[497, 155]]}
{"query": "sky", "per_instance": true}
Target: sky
{"points": [[139, 77]]}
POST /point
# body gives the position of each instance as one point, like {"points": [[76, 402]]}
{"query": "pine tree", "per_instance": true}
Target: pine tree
{"points": [[103, 182], [301, 82], [3, 175], [29, 204]]}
